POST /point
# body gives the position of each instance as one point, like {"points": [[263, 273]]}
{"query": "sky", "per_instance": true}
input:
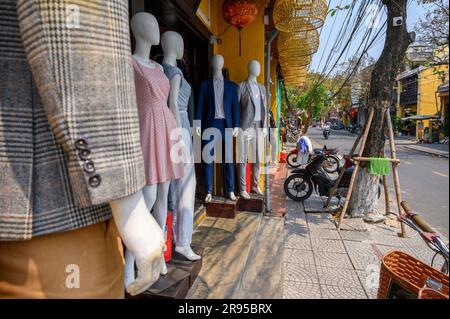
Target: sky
{"points": [[332, 25]]}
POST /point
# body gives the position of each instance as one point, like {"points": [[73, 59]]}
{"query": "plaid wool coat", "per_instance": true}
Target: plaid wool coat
{"points": [[69, 128]]}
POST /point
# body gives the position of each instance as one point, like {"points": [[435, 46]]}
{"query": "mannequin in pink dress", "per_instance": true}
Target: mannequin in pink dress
{"points": [[157, 124]]}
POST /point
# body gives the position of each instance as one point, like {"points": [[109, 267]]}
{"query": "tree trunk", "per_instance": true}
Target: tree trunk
{"points": [[365, 196]]}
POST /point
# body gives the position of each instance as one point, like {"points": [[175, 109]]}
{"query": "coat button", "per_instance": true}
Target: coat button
{"points": [[85, 155], [89, 167], [81, 144], [95, 181]]}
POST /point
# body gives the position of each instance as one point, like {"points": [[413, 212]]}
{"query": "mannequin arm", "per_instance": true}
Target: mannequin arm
{"points": [[200, 105], [143, 238], [175, 84]]}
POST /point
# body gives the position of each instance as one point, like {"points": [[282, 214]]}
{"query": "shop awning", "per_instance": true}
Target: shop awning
{"points": [[421, 118]]}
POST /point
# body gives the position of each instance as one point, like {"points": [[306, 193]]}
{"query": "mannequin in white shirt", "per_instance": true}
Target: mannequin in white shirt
{"points": [[217, 65], [252, 116]]}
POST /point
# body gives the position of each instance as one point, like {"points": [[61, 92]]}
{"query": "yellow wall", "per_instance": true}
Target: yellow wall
{"points": [[429, 82], [428, 85], [252, 41]]}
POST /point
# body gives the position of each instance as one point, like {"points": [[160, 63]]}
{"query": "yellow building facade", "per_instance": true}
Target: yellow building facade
{"points": [[418, 96]]}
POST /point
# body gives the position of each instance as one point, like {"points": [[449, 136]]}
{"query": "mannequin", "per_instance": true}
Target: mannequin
{"points": [[145, 29], [221, 115], [183, 190], [252, 103], [71, 205]]}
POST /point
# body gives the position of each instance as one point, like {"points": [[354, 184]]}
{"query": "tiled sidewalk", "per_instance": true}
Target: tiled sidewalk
{"points": [[321, 263]]}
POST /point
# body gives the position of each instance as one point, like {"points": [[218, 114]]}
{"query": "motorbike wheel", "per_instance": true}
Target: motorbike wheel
{"points": [[292, 160], [298, 188], [331, 165]]}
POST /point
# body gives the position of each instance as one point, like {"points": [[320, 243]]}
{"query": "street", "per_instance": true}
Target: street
{"points": [[424, 179]]}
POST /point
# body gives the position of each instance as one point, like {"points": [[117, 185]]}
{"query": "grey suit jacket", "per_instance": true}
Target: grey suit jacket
{"points": [[247, 104], [69, 127]]}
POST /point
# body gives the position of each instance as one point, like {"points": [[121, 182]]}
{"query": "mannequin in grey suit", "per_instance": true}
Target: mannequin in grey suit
{"points": [[252, 103]]}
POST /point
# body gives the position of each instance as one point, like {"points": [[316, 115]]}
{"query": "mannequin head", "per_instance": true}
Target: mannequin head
{"points": [[254, 69], [145, 28], [217, 64], [172, 43]]}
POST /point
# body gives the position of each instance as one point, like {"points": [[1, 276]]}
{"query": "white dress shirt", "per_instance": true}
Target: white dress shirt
{"points": [[219, 88], [257, 100]]}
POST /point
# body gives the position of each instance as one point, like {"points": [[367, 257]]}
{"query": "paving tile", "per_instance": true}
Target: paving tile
{"points": [[387, 240], [300, 290], [318, 233], [355, 235], [338, 277], [327, 246], [362, 254], [370, 281], [297, 242], [354, 224], [301, 257], [300, 273], [332, 292], [294, 229], [333, 260]]}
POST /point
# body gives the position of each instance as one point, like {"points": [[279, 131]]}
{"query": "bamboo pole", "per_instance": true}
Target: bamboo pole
{"points": [[366, 159], [342, 173], [395, 169], [386, 195], [355, 172]]}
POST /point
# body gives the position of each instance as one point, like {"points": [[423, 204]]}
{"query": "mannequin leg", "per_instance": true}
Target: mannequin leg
{"points": [[150, 194], [243, 157], [160, 212], [185, 213], [161, 203]]}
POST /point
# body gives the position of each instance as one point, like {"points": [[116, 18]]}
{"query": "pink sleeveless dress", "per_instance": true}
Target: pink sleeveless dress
{"points": [[156, 124]]}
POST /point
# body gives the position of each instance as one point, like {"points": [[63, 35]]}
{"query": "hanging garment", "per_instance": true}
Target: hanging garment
{"points": [[380, 166], [157, 123], [69, 142]]}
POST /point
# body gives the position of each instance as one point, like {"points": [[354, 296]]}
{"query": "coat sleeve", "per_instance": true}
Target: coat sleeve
{"points": [[83, 71], [200, 103], [235, 107]]}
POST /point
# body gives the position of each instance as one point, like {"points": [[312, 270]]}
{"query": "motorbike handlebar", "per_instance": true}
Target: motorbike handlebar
{"points": [[419, 221]]}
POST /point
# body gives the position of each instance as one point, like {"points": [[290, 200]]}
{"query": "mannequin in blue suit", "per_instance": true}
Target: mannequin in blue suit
{"points": [[218, 107]]}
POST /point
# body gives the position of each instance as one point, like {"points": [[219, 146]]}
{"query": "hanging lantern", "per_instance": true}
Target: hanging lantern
{"points": [[299, 15], [297, 44], [239, 13], [295, 61]]}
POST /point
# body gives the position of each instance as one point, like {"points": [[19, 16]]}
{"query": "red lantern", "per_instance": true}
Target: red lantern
{"points": [[239, 13]]}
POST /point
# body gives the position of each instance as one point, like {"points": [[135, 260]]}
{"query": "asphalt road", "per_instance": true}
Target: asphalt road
{"points": [[424, 178]]}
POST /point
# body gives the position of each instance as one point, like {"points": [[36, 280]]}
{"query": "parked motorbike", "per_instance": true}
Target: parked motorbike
{"points": [[302, 183], [331, 165], [326, 133], [354, 128]]}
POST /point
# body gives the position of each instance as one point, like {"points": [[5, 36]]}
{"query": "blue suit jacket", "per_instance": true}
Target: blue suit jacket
{"points": [[206, 106]]}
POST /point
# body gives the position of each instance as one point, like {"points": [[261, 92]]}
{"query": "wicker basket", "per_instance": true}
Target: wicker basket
{"points": [[427, 293], [407, 272], [298, 44], [299, 15]]}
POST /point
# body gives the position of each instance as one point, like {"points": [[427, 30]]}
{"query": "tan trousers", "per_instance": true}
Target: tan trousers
{"points": [[81, 264]]}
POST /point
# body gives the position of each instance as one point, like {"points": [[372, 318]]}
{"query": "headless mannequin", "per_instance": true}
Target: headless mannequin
{"points": [[144, 240], [254, 71], [217, 64], [145, 29], [173, 48]]}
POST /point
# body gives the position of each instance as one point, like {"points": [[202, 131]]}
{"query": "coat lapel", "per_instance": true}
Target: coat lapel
{"points": [[250, 92]]}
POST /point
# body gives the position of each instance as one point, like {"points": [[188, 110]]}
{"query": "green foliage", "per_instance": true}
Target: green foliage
{"points": [[315, 101]]}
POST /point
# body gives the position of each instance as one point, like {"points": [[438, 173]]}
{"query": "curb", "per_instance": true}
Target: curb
{"points": [[430, 152]]}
